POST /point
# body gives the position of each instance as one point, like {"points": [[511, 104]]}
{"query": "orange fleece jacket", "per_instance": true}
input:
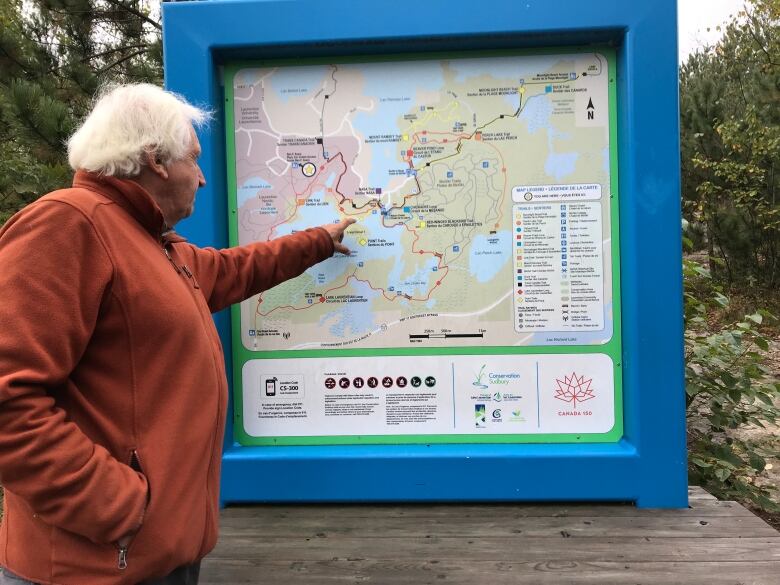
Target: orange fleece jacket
{"points": [[112, 381]]}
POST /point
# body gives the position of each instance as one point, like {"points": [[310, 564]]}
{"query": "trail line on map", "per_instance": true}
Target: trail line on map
{"points": [[445, 114], [372, 203], [385, 326]]}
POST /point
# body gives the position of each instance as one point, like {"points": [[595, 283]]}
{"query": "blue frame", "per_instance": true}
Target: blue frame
{"points": [[649, 465]]}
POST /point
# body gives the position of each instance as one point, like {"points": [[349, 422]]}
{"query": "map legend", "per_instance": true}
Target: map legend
{"points": [[558, 266]]}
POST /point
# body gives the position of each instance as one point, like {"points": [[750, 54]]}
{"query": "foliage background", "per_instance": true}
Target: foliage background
{"points": [[730, 137], [54, 54], [730, 147]]}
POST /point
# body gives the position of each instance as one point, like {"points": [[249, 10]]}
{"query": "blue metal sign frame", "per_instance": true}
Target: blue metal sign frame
{"points": [[648, 466]]}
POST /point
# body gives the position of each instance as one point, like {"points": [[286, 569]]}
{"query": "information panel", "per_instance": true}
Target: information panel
{"points": [[480, 302]]}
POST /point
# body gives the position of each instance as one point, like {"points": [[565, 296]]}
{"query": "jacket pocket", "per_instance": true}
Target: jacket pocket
{"points": [[135, 461], [124, 547]]}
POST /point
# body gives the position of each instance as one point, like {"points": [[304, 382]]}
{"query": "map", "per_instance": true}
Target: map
{"points": [[481, 189]]}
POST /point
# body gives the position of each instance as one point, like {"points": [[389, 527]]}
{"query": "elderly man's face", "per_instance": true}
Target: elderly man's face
{"points": [[184, 178]]}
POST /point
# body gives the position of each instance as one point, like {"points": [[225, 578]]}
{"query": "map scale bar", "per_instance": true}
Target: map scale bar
{"points": [[444, 335]]}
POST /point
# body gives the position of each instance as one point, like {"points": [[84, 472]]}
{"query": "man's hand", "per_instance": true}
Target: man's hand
{"points": [[336, 231]]}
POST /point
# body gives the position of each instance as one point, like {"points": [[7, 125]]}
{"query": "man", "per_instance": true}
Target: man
{"points": [[112, 380]]}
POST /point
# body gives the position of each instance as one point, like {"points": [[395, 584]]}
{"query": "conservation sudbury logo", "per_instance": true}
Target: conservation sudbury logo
{"points": [[494, 379], [478, 378]]}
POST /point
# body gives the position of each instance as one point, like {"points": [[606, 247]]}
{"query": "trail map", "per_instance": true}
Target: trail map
{"points": [[481, 188]]}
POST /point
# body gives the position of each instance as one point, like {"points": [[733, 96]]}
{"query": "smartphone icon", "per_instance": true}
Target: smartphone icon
{"points": [[270, 387]]}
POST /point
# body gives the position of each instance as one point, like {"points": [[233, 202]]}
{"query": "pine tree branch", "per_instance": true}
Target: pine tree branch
{"points": [[742, 86], [762, 47], [120, 61], [17, 62], [31, 126], [137, 13], [111, 51], [752, 19]]}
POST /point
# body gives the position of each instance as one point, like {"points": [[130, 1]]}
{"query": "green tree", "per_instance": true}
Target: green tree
{"points": [[730, 140], [54, 54]]}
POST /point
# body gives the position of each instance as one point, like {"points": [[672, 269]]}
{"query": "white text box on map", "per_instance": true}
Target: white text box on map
{"points": [[542, 193]]}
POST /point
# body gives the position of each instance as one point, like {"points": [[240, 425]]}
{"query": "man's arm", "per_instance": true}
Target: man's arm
{"points": [[234, 274], [54, 272]]}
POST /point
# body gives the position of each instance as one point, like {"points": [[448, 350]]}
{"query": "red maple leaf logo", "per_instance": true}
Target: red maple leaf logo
{"points": [[574, 389]]}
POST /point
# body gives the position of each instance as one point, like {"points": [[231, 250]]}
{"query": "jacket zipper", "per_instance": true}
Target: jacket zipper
{"points": [[122, 558], [181, 269], [188, 274], [135, 465], [170, 259]]}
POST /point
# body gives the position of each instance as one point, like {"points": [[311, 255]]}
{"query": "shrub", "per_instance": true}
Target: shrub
{"points": [[728, 390]]}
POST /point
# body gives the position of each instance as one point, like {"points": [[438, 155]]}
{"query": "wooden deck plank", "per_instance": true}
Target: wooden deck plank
{"points": [[380, 526], [636, 549], [696, 492], [709, 543], [704, 507], [510, 572]]}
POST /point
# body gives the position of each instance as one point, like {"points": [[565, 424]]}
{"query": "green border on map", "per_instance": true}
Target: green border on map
{"points": [[613, 348]]}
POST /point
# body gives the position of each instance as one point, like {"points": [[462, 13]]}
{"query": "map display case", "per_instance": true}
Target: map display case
{"points": [[509, 317], [484, 188]]}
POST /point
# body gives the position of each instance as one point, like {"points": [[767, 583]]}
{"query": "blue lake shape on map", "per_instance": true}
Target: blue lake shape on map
{"points": [[391, 80], [352, 318], [249, 190], [504, 69], [483, 266], [400, 79], [383, 155], [559, 165], [285, 78], [374, 229], [309, 216], [514, 102], [536, 113], [415, 284]]}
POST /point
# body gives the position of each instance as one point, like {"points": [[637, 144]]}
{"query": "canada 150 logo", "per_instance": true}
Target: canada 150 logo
{"points": [[575, 390]]}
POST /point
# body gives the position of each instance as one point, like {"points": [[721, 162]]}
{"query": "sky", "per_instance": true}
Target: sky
{"points": [[695, 16]]}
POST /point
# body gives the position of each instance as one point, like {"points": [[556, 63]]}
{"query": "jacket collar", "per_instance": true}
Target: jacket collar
{"points": [[132, 198]]}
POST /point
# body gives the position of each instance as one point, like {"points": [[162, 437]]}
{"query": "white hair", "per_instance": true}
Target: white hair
{"points": [[128, 120]]}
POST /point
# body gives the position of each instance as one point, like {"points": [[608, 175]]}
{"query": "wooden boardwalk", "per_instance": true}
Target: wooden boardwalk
{"points": [[711, 543]]}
